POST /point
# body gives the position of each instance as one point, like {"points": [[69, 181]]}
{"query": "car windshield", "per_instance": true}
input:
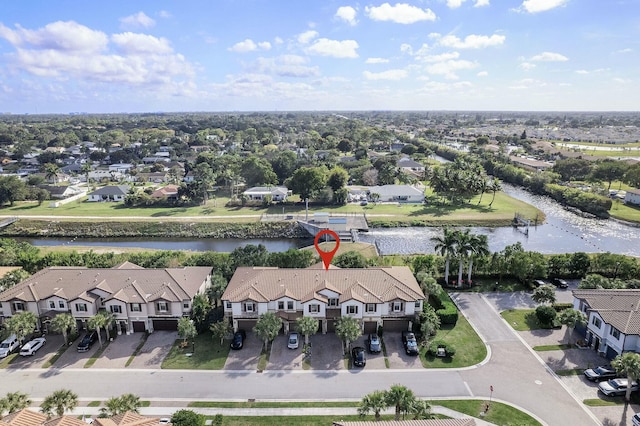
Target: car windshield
{"points": [[412, 343], [4, 345], [601, 370], [293, 339]]}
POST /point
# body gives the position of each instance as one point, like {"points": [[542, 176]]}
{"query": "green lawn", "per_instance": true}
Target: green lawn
{"points": [[272, 404], [484, 285], [208, 355], [291, 420], [621, 211], [521, 319], [470, 349], [544, 348], [499, 414]]}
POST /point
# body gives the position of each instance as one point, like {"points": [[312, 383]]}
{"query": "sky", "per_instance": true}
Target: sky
{"points": [[66, 56]]}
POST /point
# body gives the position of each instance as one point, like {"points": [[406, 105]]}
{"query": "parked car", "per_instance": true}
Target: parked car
{"points": [[538, 283], [600, 373], [87, 341], [375, 346], [559, 282], [616, 387], [32, 346], [636, 419], [294, 341], [410, 343], [8, 345], [238, 339], [358, 356]]}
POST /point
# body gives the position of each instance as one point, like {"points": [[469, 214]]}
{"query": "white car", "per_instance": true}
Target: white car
{"points": [[294, 341], [616, 387], [32, 346]]}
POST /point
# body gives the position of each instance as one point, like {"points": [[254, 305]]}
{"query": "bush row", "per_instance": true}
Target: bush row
{"points": [[446, 309]]}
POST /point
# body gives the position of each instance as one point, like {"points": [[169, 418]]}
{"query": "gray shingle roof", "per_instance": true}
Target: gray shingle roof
{"points": [[618, 308]]}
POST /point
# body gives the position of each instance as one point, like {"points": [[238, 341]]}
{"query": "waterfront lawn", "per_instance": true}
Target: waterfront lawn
{"points": [[622, 211], [208, 354], [470, 349], [521, 319]]}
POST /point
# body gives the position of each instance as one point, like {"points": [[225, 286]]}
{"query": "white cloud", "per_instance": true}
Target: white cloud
{"points": [[582, 72], [472, 41], [386, 75], [454, 4], [278, 40], [307, 36], [448, 68], [527, 83], [400, 13], [627, 50], [376, 61], [441, 57], [527, 66], [422, 51], [164, 14], [137, 20], [334, 48], [285, 66], [406, 48], [348, 14], [249, 45], [481, 3], [535, 6], [595, 71], [482, 74], [131, 43], [549, 57], [66, 36]]}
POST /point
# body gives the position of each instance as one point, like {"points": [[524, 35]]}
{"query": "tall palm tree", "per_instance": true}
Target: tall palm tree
{"points": [[59, 402], [495, 187], [102, 319], [121, 404], [402, 398], [14, 401], [479, 247], [629, 365], [373, 402], [62, 323], [445, 247], [463, 248], [51, 170]]}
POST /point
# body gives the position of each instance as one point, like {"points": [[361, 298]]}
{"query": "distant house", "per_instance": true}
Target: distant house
{"points": [[409, 166], [100, 175], [152, 177], [189, 177], [388, 193], [110, 193], [257, 193], [121, 167], [170, 192], [531, 163], [632, 197], [61, 192], [613, 320]]}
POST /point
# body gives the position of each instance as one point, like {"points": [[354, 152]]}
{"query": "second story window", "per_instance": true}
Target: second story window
{"points": [[61, 304], [135, 307], [596, 321], [397, 306], [370, 307], [81, 307], [314, 308], [162, 307], [249, 307], [116, 309], [52, 304], [333, 303], [614, 332], [18, 306], [290, 305], [281, 305], [352, 309]]}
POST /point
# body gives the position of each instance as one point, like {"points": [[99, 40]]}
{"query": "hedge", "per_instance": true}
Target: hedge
{"points": [[446, 309]]}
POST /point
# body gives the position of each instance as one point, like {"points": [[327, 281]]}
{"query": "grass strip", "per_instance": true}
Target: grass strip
{"points": [[263, 361], [138, 349], [289, 420], [271, 404], [94, 403], [49, 363], [543, 348], [387, 364], [95, 356], [521, 319], [209, 354], [470, 349], [8, 360], [597, 402]]}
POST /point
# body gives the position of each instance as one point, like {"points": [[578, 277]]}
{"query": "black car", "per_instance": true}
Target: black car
{"points": [[238, 339], [538, 283], [358, 356], [87, 341], [559, 282], [600, 373], [410, 343]]}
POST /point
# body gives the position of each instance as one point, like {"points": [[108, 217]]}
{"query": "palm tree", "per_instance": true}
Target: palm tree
{"points": [[14, 401], [59, 402], [479, 247], [102, 319], [421, 409], [401, 398], [86, 169], [121, 404], [216, 289], [629, 365], [374, 402], [495, 187], [445, 246], [51, 170], [62, 323], [463, 248]]}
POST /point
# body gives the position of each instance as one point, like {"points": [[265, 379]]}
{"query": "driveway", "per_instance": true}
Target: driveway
{"points": [[71, 358], [326, 352], [118, 352], [54, 342], [154, 350], [247, 357], [398, 358], [374, 361], [283, 358]]}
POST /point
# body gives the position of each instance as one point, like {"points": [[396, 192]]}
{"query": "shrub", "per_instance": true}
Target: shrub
{"points": [[448, 349], [446, 309], [380, 330], [559, 307], [546, 315]]}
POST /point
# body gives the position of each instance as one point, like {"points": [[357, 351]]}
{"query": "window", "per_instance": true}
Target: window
{"points": [[352, 309], [249, 307], [162, 307], [228, 305], [614, 332], [185, 305], [333, 302], [61, 304], [596, 321], [81, 307], [315, 308], [116, 309], [290, 305], [136, 307], [281, 305], [417, 304], [18, 306], [397, 306], [370, 307], [52, 304]]}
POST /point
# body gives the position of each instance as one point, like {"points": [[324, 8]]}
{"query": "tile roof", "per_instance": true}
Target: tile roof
{"points": [[24, 418], [64, 421], [618, 308], [127, 282], [371, 285], [127, 419]]}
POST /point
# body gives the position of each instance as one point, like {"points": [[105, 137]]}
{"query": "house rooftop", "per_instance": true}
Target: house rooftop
{"points": [[618, 308]]}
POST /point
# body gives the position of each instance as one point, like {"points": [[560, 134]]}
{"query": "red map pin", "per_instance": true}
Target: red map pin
{"points": [[326, 255]]}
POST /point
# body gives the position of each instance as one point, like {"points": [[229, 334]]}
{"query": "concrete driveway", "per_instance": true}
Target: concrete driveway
{"points": [[247, 357], [283, 358], [154, 350], [396, 354], [326, 352], [54, 342], [375, 361], [118, 352], [71, 358]]}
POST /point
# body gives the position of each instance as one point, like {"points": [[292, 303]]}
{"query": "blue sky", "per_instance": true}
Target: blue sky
{"points": [[257, 55]]}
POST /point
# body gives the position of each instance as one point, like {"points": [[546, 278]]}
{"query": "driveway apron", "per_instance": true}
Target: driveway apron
{"points": [[515, 373], [118, 352]]}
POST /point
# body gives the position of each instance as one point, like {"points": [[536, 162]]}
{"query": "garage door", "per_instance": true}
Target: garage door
{"points": [[395, 325], [331, 326], [370, 327], [138, 326], [246, 325], [165, 325]]}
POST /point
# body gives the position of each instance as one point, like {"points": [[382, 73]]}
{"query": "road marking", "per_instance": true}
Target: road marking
{"points": [[466, 385]]}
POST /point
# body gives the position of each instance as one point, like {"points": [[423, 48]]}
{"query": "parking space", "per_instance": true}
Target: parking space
{"points": [[118, 351], [54, 342], [375, 361], [283, 358], [247, 357], [326, 352], [398, 359], [154, 350], [71, 358]]}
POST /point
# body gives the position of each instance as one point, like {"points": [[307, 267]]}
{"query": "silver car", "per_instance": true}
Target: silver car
{"points": [[374, 343], [616, 387], [294, 341]]}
